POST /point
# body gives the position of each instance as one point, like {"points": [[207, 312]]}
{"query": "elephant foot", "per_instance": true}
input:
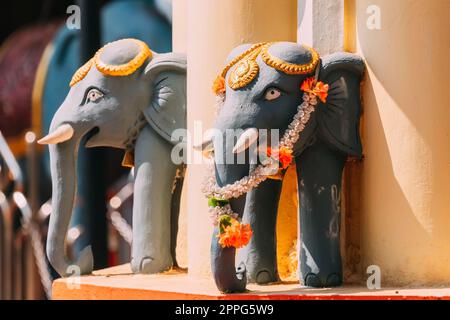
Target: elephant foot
{"points": [[262, 276], [321, 281], [149, 265]]}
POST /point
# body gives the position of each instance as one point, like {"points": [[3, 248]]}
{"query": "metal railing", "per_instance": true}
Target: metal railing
{"points": [[24, 272], [24, 269]]}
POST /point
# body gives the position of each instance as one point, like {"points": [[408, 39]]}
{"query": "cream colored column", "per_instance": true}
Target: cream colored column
{"points": [[406, 171], [179, 44], [321, 25], [214, 28], [179, 25]]}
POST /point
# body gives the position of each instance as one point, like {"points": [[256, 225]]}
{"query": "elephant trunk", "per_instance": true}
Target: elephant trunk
{"points": [[63, 157], [228, 279], [231, 162]]}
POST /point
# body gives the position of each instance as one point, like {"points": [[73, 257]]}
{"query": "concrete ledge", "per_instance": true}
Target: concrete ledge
{"points": [[118, 283]]}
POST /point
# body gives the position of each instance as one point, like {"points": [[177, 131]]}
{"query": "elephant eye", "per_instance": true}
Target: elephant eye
{"points": [[272, 94], [93, 95]]}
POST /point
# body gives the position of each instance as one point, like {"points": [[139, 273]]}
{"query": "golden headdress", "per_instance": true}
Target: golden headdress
{"points": [[244, 67], [113, 69]]}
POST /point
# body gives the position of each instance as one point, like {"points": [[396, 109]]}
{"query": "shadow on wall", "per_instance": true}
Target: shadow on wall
{"points": [[406, 176]]}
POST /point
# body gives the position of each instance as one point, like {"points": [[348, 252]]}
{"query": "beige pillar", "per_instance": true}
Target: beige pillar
{"points": [[321, 24], [214, 28], [179, 44], [405, 226], [179, 25]]}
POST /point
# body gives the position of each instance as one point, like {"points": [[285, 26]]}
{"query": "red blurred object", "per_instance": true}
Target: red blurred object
{"points": [[20, 55]]}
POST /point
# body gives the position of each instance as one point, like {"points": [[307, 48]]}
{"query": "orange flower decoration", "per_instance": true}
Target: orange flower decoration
{"points": [[219, 85], [234, 233], [319, 89], [283, 155]]}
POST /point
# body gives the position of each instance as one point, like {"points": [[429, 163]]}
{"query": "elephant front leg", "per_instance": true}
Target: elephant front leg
{"points": [[154, 174], [260, 255], [319, 172]]}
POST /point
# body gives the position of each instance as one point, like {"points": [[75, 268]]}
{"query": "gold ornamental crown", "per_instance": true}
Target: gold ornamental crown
{"points": [[114, 70], [244, 67]]}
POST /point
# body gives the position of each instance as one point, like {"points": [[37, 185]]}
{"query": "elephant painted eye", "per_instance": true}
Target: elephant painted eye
{"points": [[93, 95], [272, 94]]}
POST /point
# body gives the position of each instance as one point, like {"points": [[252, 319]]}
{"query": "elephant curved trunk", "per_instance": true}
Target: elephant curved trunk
{"points": [[63, 170], [227, 278]]}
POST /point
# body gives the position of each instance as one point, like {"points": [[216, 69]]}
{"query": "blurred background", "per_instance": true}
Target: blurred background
{"points": [[43, 42]]}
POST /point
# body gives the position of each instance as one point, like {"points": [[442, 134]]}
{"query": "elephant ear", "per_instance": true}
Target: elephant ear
{"points": [[338, 117], [167, 108]]}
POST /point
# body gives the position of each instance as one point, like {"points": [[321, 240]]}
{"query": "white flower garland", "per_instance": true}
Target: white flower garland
{"points": [[216, 212], [262, 171]]}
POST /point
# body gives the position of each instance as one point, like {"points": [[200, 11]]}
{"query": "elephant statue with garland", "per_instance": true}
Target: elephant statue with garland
{"points": [[131, 98], [314, 103]]}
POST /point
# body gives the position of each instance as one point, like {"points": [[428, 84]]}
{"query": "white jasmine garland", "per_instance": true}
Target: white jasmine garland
{"points": [[262, 171], [216, 212]]}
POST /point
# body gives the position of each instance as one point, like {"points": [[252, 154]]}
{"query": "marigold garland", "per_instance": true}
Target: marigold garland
{"points": [[219, 85], [232, 233], [282, 154], [317, 88]]}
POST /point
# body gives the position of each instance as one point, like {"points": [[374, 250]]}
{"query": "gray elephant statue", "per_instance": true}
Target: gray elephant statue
{"points": [[131, 98], [313, 104]]}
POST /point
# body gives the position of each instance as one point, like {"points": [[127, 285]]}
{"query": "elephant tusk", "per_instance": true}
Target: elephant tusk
{"points": [[246, 140], [206, 146], [63, 133], [207, 149]]}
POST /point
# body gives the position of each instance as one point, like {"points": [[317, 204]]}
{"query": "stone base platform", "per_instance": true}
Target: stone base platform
{"points": [[118, 283]]}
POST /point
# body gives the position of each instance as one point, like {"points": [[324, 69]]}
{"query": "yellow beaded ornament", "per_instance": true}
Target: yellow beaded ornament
{"points": [[124, 69], [81, 72]]}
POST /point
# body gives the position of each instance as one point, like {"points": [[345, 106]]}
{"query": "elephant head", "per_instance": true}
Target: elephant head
{"points": [[124, 87], [261, 89]]}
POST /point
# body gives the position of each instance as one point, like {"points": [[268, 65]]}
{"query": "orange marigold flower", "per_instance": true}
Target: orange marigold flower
{"points": [[269, 152], [219, 85], [308, 84], [283, 155], [319, 89], [235, 234]]}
